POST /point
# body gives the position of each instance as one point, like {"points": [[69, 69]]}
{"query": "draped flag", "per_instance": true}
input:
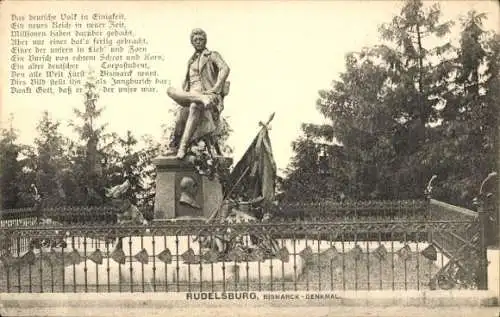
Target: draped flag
{"points": [[254, 176], [251, 181]]}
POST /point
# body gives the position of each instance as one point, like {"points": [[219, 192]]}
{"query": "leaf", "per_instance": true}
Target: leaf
{"points": [[380, 252], [331, 253], [357, 252], [96, 257], [74, 257], [284, 255], [165, 256], [142, 256], [189, 256], [118, 256], [211, 256], [430, 253], [404, 253], [306, 254]]}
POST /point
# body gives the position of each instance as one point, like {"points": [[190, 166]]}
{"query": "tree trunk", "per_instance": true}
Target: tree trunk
{"points": [[423, 111]]}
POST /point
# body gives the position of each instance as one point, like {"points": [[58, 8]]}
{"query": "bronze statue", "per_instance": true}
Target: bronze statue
{"points": [[201, 97]]}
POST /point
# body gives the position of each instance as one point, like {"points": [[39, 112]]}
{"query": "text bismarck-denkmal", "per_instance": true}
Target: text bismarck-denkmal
{"points": [[289, 296]]}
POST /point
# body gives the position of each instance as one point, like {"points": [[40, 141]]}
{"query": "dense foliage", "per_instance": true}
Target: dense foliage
{"points": [[414, 106]]}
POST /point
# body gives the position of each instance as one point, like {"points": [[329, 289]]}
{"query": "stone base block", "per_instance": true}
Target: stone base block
{"points": [[182, 192]]}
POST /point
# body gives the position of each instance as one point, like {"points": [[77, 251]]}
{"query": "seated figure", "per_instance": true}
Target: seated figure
{"points": [[201, 97]]}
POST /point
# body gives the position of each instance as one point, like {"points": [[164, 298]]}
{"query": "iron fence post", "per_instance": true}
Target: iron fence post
{"points": [[429, 218], [484, 234], [482, 273], [428, 197]]}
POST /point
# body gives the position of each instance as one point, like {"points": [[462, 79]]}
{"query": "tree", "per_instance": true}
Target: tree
{"points": [[87, 158], [364, 124], [128, 168], [317, 171], [468, 133], [51, 161], [10, 167], [418, 80], [405, 110], [15, 176], [151, 150]]}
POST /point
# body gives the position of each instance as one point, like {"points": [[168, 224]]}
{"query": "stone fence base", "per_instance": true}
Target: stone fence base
{"points": [[252, 299]]}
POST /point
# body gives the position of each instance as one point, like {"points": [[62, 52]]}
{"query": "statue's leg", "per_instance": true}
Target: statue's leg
{"points": [[194, 116], [186, 98], [214, 136], [180, 123], [216, 145], [212, 145]]}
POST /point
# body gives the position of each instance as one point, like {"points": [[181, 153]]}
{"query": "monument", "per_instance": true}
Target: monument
{"points": [[194, 182], [188, 183], [193, 179]]}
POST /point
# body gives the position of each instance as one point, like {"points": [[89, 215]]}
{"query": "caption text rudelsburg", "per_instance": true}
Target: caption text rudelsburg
{"points": [[256, 296]]}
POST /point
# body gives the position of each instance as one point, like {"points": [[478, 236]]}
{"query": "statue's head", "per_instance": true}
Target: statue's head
{"points": [[199, 39], [188, 186]]}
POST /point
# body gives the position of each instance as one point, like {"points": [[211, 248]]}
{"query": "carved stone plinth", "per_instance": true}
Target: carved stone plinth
{"points": [[182, 193]]}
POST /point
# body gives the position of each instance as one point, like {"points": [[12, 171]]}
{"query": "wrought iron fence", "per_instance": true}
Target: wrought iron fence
{"points": [[67, 215], [64, 215], [195, 256], [18, 217], [321, 211], [359, 210], [465, 250]]}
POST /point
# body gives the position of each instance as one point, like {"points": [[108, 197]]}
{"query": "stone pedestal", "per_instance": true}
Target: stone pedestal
{"points": [[182, 193]]}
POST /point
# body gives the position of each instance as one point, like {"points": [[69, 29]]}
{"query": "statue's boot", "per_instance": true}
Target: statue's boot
{"points": [[172, 151], [191, 124], [173, 148]]}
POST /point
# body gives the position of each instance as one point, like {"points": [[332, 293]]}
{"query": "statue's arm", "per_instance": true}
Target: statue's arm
{"points": [[223, 71], [185, 83]]}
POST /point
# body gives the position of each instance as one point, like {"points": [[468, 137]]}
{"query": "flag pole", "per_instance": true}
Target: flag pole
{"points": [[237, 182], [265, 125]]}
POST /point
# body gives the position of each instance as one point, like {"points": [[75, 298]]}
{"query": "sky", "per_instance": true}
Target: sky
{"points": [[280, 54]]}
